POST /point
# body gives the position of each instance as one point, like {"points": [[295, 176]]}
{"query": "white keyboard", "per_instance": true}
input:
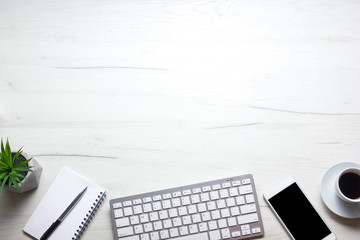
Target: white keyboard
{"points": [[221, 209]]}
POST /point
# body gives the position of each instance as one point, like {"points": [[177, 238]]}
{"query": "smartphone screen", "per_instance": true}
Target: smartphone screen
{"points": [[298, 214]]}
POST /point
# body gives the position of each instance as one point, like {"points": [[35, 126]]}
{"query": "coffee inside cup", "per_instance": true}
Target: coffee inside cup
{"points": [[349, 184]]}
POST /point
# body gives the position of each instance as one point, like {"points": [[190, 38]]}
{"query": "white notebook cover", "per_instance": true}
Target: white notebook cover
{"points": [[67, 185]]}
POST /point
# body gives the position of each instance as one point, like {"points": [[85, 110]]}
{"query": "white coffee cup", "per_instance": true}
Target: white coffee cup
{"points": [[348, 185]]}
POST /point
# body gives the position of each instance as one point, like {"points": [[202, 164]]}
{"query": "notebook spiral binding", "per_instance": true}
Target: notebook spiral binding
{"points": [[89, 215]]}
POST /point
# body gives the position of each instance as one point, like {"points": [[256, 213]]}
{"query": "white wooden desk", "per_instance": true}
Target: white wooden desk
{"points": [[144, 95]]}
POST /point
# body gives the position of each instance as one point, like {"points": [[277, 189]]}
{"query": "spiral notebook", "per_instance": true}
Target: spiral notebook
{"points": [[66, 186]]}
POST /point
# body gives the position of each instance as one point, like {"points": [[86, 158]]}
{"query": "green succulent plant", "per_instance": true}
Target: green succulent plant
{"points": [[10, 170]]}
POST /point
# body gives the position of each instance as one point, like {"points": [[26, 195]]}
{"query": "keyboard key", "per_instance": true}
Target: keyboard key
{"points": [[211, 206], [214, 195], [245, 189], [144, 218], [125, 231], [220, 203], [128, 211], [225, 213], [206, 189], [256, 230], [226, 185], [154, 216], [174, 232], [157, 206], [158, 225], [176, 194], [222, 223], [186, 220], [212, 225], [234, 211], [225, 233], [215, 235], [246, 181], [163, 214], [173, 212], [203, 227], [147, 207], [138, 209], [134, 220], [148, 227], [240, 200], [164, 234], [248, 218], [177, 222], [182, 211], [233, 192], [195, 198], [167, 223], [117, 205], [144, 236], [147, 199], [204, 197], [193, 228], [186, 192], [232, 221], [205, 216], [230, 202], [201, 207], [166, 204], [157, 198], [131, 238], [245, 209], [224, 193], [196, 218], [176, 202], [122, 222], [215, 214], [216, 187], [250, 198], [196, 190], [192, 209], [166, 196], [185, 200], [154, 236], [236, 183], [183, 230], [138, 229], [118, 213], [236, 234]]}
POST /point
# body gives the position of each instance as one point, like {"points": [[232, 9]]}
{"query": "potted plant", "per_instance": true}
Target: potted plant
{"points": [[18, 171]]}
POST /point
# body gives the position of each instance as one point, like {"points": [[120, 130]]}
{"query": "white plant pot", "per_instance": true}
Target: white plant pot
{"points": [[32, 178]]}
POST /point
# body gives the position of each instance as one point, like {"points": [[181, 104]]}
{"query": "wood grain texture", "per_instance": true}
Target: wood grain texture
{"points": [[144, 95]]}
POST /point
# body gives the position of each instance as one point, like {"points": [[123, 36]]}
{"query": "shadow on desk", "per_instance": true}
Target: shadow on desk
{"points": [[352, 223]]}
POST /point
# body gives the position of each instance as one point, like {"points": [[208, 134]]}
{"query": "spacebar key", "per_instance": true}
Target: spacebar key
{"points": [[202, 236]]}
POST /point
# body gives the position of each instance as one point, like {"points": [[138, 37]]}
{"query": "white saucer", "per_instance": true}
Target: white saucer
{"points": [[329, 196]]}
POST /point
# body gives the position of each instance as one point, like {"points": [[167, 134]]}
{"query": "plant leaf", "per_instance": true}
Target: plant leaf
{"points": [[8, 152], [3, 154], [16, 156], [20, 175], [3, 183], [19, 169], [3, 164], [23, 163], [15, 182], [3, 175]]}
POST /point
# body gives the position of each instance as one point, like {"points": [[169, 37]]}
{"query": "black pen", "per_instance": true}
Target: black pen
{"points": [[55, 224]]}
